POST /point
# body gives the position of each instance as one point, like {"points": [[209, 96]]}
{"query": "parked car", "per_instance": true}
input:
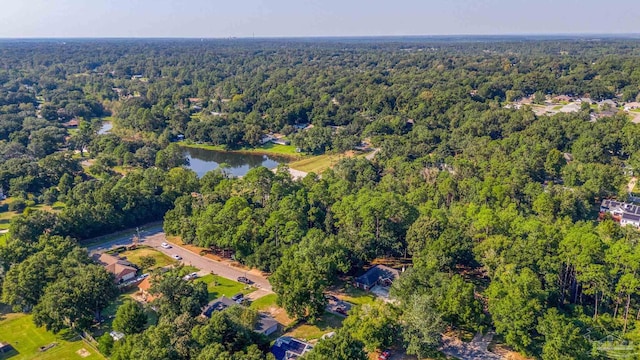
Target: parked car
{"points": [[244, 280], [176, 256], [165, 245], [340, 309], [385, 355], [238, 297], [191, 276]]}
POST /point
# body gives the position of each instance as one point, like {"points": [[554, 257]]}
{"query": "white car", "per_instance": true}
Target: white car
{"points": [[165, 245], [176, 256]]}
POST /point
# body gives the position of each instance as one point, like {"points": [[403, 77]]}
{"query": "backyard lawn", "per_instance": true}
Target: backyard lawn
{"points": [[19, 331], [134, 256], [222, 286], [356, 296], [327, 323]]}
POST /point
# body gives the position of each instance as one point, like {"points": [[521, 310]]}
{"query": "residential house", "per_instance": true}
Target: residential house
{"points": [[218, 304], [143, 287], [625, 213], [630, 219], [121, 269], [631, 106], [288, 348], [280, 139], [563, 98], [377, 275], [73, 123], [265, 324], [265, 139]]}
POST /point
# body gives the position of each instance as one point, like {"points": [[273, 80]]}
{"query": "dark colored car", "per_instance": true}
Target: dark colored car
{"points": [[341, 310], [237, 297], [244, 280]]}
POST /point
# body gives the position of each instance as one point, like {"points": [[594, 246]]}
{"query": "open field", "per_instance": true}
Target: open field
{"points": [[6, 216], [19, 331], [134, 256], [219, 286], [266, 149]]}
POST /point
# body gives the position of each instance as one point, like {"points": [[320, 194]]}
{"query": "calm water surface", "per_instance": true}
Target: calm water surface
{"points": [[201, 161], [106, 127]]}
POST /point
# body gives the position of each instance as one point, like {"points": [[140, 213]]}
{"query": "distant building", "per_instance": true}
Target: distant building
{"points": [[563, 98], [115, 335], [73, 123], [631, 106]]}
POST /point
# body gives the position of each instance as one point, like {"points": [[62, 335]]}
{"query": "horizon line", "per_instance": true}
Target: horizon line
{"points": [[275, 37]]}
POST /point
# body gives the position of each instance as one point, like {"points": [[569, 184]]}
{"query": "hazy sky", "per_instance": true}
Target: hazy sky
{"points": [[268, 18]]}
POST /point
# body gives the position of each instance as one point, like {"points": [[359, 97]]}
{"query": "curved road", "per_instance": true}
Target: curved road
{"points": [[154, 237]]}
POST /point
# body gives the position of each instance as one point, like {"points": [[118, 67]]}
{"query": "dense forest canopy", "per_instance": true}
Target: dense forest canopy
{"points": [[495, 207]]}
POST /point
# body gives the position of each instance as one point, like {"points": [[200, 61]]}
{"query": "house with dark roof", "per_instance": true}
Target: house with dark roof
{"points": [[120, 268], [218, 304], [625, 213], [265, 324], [288, 348], [377, 275]]}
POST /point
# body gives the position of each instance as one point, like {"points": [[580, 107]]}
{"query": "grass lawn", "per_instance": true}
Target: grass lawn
{"points": [[265, 302], [6, 216], [558, 107], [3, 238], [356, 296], [110, 312], [268, 149], [19, 331], [317, 164], [134, 256], [277, 149], [327, 323], [222, 286]]}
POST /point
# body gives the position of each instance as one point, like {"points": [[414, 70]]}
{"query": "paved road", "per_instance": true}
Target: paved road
{"points": [[154, 236]]}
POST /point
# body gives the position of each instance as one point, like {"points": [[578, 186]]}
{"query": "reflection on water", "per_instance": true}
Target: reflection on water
{"points": [[106, 127], [201, 161]]}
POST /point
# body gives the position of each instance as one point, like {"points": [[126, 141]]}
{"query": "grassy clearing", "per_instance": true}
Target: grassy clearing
{"points": [[135, 256], [558, 107], [6, 216], [318, 164], [327, 323], [219, 286], [3, 238], [356, 296], [19, 331], [266, 149], [265, 302]]}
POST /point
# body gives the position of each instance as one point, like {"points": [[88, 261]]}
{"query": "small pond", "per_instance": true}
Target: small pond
{"points": [[106, 127], [201, 161]]}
